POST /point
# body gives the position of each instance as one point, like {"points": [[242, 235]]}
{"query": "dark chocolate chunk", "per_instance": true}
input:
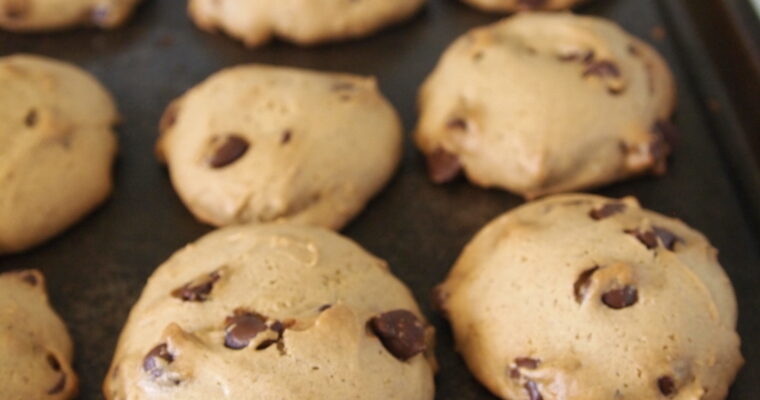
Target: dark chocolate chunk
{"points": [[324, 307], [230, 151], [607, 210], [443, 166], [241, 328], [30, 120], [602, 68], [53, 362], [527, 362], [514, 373], [286, 136], [580, 287], [401, 332], [197, 290], [667, 237], [647, 238], [155, 361], [533, 392], [667, 386], [621, 298]]}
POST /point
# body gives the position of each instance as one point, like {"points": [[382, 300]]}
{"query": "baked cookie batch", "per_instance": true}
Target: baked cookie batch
{"points": [[569, 297]]}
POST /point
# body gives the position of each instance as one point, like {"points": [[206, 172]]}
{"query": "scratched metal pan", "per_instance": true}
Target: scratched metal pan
{"points": [[97, 269]]}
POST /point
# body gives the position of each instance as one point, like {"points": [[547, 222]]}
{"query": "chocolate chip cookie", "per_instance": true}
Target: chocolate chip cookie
{"points": [[273, 311], [35, 348], [541, 103], [57, 146], [305, 22], [581, 297], [258, 143], [504, 6], [50, 15]]}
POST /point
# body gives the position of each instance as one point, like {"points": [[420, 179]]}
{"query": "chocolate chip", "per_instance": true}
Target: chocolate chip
{"points": [[633, 50], [53, 362], [607, 210], [401, 332], [532, 4], [667, 386], [621, 298], [667, 237], [457, 123], [527, 362], [197, 290], [286, 136], [230, 151], [30, 120], [59, 386], [324, 307], [514, 373], [241, 328], [602, 68], [580, 287], [533, 392], [158, 358], [647, 238], [443, 166]]}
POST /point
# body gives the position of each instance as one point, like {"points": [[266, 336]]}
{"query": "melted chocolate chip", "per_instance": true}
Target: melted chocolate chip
{"points": [[527, 362], [324, 307], [602, 68], [514, 373], [667, 386], [230, 151], [621, 298], [197, 290], [286, 136], [401, 332], [242, 328], [443, 166], [607, 210], [59, 386], [155, 361], [580, 287], [647, 238], [533, 392], [30, 120], [53, 362]]}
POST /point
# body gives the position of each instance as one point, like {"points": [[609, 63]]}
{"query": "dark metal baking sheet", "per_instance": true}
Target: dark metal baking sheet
{"points": [[97, 269]]}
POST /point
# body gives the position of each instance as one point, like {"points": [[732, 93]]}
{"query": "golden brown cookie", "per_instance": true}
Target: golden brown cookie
{"points": [[269, 312], [305, 22], [258, 144], [57, 146], [541, 103], [581, 297], [50, 15], [35, 348]]}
